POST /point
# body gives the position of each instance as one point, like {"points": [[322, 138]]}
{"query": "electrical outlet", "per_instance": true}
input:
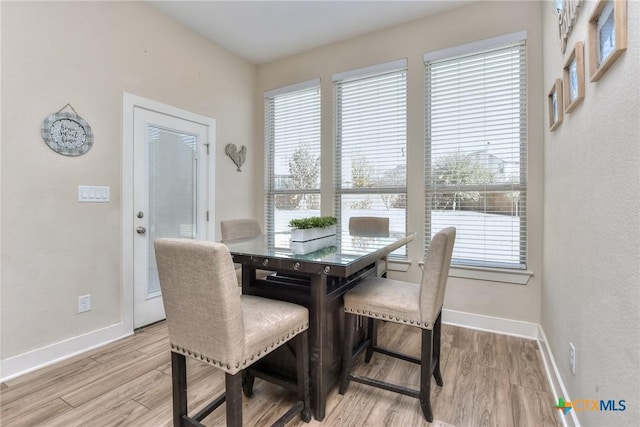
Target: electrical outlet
{"points": [[84, 303], [572, 358]]}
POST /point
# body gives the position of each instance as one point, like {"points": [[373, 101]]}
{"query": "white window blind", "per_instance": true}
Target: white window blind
{"points": [[370, 130], [292, 154], [476, 153]]}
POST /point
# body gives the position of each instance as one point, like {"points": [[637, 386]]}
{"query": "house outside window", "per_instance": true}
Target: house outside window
{"points": [[476, 150], [292, 155], [370, 137]]}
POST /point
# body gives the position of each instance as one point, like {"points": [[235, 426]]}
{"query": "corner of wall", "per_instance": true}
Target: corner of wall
{"points": [[555, 379]]}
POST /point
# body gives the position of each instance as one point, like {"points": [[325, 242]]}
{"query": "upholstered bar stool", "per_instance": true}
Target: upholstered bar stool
{"points": [[371, 226], [233, 229], [411, 304], [210, 321]]}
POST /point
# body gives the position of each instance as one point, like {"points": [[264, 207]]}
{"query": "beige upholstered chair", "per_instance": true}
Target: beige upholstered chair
{"points": [[234, 229], [371, 226], [210, 321], [412, 304]]}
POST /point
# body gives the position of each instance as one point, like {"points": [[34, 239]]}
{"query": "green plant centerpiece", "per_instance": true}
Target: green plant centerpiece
{"points": [[312, 234], [313, 222]]}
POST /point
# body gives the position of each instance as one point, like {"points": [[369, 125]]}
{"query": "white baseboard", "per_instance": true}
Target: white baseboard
{"points": [[555, 380], [39, 358], [491, 324]]}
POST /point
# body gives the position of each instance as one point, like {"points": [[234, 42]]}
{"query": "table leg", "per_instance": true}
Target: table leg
{"points": [[318, 345], [248, 277]]}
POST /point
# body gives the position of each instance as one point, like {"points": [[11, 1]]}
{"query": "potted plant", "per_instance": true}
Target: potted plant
{"points": [[311, 228], [313, 233]]}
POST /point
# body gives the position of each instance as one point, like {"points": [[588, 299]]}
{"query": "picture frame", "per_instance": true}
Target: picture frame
{"points": [[554, 100], [607, 35], [573, 78]]}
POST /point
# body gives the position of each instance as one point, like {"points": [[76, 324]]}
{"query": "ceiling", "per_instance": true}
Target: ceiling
{"points": [[264, 31]]}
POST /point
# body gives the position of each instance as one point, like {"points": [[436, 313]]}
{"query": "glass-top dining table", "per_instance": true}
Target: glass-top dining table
{"points": [[317, 280]]}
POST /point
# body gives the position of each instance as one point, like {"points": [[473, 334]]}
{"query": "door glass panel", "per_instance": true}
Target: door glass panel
{"points": [[173, 183]]}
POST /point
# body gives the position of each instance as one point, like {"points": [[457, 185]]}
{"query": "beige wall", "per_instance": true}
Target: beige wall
{"points": [[591, 293], [88, 53], [459, 26]]}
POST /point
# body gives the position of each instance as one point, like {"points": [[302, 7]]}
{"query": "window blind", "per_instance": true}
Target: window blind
{"points": [[292, 154], [370, 131], [476, 153]]}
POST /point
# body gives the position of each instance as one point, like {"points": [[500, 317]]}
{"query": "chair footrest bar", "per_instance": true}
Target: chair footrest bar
{"points": [[282, 381], [209, 408], [385, 386], [188, 421], [362, 346], [295, 409], [396, 355]]}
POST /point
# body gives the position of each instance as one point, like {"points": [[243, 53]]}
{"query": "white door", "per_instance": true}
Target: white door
{"points": [[169, 197]]}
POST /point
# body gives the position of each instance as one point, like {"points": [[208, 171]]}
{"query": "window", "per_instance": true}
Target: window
{"points": [[292, 157], [476, 150], [370, 130]]}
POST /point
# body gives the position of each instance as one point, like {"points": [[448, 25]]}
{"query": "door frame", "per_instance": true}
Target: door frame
{"points": [[129, 103]]}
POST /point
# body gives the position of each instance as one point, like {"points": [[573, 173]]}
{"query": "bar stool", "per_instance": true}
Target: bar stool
{"points": [[208, 320], [371, 226], [412, 304], [234, 229]]}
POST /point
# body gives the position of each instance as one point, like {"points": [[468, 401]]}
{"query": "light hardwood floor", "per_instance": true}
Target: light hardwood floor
{"points": [[489, 380]]}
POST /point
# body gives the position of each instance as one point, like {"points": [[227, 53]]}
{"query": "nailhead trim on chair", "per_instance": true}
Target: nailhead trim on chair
{"points": [[250, 358], [424, 325]]}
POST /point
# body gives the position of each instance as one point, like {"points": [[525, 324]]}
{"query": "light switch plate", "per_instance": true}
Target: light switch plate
{"points": [[93, 194]]}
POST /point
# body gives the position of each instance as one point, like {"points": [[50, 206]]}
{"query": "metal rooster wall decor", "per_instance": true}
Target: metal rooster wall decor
{"points": [[238, 157]]}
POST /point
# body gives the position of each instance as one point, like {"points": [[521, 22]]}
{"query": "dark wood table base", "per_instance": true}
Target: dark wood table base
{"points": [[323, 295]]}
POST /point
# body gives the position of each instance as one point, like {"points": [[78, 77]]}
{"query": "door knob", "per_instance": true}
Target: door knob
{"points": [[141, 230]]}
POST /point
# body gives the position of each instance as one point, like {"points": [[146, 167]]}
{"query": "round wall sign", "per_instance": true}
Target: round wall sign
{"points": [[67, 133]]}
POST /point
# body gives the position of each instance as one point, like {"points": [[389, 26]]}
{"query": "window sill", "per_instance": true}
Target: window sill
{"points": [[517, 277]]}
